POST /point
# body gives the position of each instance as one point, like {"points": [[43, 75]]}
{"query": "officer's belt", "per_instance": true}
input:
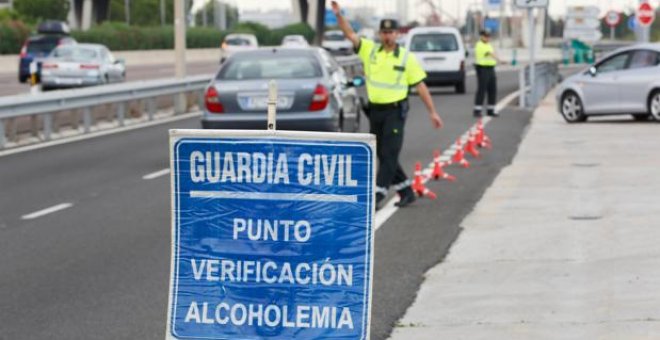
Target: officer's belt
{"points": [[385, 107]]}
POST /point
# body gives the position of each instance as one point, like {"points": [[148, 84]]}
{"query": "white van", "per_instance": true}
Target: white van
{"points": [[442, 54]]}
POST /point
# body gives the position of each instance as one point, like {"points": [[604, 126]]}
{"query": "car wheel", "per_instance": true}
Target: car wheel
{"points": [[572, 109], [460, 87], [654, 105], [641, 117]]}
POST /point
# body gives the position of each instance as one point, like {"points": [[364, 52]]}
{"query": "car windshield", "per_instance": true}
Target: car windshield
{"points": [[74, 53], [41, 46], [434, 42], [268, 66], [333, 36], [237, 41]]}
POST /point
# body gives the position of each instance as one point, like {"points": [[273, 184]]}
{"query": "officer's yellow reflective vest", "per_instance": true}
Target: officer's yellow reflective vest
{"points": [[483, 54]]}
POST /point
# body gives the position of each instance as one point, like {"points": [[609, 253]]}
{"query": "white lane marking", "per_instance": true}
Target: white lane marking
{"points": [[67, 140], [156, 174], [274, 196], [47, 211], [389, 208]]}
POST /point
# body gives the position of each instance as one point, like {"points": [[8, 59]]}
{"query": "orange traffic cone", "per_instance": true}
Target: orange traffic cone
{"points": [[471, 146], [418, 184], [459, 156], [482, 139], [438, 172]]}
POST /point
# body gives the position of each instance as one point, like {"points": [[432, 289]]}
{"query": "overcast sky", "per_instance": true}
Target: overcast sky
{"points": [[451, 7]]}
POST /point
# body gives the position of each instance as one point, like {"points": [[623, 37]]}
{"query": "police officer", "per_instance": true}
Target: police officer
{"points": [[485, 62], [390, 71]]}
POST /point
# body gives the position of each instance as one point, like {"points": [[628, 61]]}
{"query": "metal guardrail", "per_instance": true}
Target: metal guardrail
{"points": [[46, 104], [546, 75]]}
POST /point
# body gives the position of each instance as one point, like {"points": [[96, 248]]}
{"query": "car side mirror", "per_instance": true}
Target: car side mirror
{"points": [[593, 71], [120, 61], [357, 81]]}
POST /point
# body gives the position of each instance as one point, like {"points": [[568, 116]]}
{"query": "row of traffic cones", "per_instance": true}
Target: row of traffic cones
{"points": [[477, 138]]}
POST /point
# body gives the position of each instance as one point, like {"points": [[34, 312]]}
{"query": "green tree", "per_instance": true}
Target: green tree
{"points": [[37, 10]]}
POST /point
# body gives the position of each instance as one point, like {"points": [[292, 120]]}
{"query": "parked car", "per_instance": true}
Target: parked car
{"points": [[336, 43], [237, 42], [81, 65], [627, 81], [314, 92], [442, 54], [295, 40], [50, 35]]}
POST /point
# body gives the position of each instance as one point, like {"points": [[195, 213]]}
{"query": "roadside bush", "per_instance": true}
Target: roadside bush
{"points": [[299, 28], [121, 37], [13, 34]]}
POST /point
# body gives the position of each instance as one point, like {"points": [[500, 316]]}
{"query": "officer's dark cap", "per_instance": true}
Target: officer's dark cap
{"points": [[389, 25]]}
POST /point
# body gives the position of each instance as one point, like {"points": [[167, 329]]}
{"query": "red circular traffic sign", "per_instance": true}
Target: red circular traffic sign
{"points": [[645, 14], [612, 18]]}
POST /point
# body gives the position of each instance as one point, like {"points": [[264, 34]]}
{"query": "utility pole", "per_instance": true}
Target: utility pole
{"points": [[501, 28], [180, 51], [162, 12], [127, 11]]}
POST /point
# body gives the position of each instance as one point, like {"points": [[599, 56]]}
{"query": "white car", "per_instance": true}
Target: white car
{"points": [[442, 54], [79, 65], [295, 40], [237, 42], [336, 43]]}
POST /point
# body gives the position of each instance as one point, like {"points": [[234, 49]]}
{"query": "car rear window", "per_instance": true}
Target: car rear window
{"points": [[434, 42], [41, 45], [269, 66], [238, 41], [332, 36], [75, 53]]}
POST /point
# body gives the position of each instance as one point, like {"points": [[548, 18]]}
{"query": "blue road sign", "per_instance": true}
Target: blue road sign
{"points": [[491, 25], [632, 22], [272, 235], [331, 18]]}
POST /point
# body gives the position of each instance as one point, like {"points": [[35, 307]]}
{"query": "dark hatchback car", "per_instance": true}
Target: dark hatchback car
{"points": [[314, 93], [38, 47]]}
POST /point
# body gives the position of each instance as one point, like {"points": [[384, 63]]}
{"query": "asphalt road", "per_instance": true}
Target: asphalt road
{"points": [[11, 86], [100, 268]]}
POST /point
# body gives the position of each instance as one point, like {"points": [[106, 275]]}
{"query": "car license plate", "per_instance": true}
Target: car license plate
{"points": [[261, 102], [68, 81]]}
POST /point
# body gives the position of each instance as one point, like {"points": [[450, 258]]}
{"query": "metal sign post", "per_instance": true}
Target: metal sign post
{"points": [[272, 105], [532, 55], [530, 5]]}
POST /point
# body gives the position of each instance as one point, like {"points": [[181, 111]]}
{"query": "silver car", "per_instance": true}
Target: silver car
{"points": [[81, 65], [627, 81], [313, 92]]}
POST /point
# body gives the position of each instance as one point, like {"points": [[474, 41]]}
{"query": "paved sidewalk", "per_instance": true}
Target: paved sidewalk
{"points": [[564, 245]]}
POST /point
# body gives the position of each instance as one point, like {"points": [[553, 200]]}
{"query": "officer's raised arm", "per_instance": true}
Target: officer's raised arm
{"points": [[345, 26]]}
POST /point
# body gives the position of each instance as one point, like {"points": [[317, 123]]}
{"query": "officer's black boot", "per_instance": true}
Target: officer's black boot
{"points": [[380, 200], [492, 113], [407, 197]]}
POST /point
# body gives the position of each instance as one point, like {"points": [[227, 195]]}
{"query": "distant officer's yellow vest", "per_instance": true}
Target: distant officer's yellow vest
{"points": [[483, 54], [389, 74]]}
